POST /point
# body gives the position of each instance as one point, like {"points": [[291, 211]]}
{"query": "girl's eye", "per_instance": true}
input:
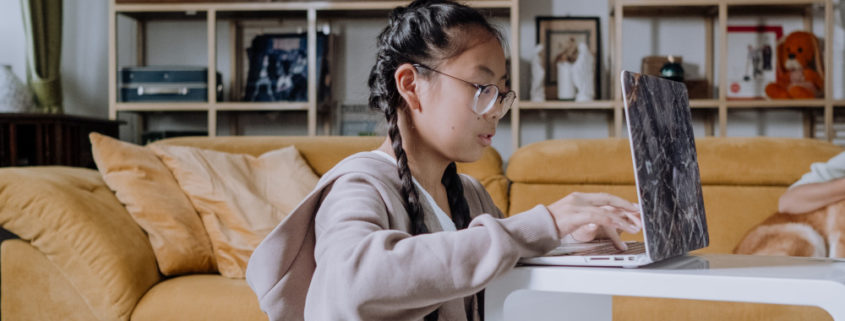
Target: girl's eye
{"points": [[488, 90]]}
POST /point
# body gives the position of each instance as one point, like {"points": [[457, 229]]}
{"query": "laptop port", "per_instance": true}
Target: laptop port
{"points": [[618, 258]]}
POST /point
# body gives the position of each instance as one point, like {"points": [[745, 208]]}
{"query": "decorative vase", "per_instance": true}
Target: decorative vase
{"points": [[672, 70], [15, 97], [565, 86], [538, 74]]}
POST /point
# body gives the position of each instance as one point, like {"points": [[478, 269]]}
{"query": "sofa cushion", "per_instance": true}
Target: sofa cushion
{"points": [[198, 298], [71, 216], [323, 152], [240, 197], [154, 199]]}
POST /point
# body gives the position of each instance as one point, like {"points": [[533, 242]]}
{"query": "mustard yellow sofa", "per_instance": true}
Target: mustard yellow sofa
{"points": [[82, 257]]}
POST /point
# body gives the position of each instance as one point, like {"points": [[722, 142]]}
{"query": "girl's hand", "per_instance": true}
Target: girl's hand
{"points": [[600, 215]]}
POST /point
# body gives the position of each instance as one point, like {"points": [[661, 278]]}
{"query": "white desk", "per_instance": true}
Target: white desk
{"points": [[583, 293]]}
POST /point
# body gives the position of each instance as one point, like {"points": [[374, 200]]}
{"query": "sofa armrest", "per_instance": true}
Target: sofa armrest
{"points": [[71, 216]]}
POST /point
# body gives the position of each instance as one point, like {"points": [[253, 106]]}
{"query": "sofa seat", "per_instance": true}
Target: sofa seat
{"points": [[199, 297]]}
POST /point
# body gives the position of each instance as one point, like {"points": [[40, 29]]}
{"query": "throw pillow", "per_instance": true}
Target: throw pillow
{"points": [[151, 195], [240, 198]]}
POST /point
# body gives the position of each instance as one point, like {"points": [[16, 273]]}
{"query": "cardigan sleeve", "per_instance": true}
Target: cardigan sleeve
{"points": [[820, 172], [364, 268]]}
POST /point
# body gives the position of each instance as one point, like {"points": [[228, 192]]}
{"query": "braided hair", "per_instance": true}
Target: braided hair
{"points": [[426, 31]]}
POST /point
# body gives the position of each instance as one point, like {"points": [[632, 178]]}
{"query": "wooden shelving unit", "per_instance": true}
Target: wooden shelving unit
{"points": [[214, 12], [716, 13]]}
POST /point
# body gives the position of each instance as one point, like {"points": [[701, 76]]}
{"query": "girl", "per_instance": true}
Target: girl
{"points": [[396, 233]]}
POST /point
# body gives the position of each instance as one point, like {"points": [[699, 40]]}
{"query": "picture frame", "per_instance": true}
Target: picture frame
{"points": [[752, 60], [559, 37]]}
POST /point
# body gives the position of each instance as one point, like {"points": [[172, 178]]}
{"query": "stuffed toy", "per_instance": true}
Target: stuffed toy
{"points": [[800, 74]]}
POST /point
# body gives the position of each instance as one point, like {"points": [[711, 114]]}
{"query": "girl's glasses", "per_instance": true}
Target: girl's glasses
{"points": [[486, 96]]}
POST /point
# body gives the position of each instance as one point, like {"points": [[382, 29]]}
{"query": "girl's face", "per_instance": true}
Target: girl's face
{"points": [[445, 119]]}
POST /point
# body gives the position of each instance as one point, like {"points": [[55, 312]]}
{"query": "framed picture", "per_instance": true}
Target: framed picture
{"points": [[561, 37], [278, 67], [751, 60]]}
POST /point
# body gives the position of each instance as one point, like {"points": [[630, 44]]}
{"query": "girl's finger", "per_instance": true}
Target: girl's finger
{"points": [[611, 233], [602, 199]]}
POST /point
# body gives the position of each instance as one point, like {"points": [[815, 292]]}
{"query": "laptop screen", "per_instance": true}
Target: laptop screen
{"points": [[665, 165]]}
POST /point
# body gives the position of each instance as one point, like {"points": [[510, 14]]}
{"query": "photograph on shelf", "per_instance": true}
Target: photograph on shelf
{"points": [[751, 60], [278, 67], [571, 51]]}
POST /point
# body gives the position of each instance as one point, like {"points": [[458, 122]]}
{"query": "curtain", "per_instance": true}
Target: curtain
{"points": [[43, 27]]}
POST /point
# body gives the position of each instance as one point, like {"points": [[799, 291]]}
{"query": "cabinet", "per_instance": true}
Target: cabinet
{"points": [[309, 14], [715, 14], [45, 139]]}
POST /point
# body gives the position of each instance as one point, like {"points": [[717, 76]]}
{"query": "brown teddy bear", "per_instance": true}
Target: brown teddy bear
{"points": [[800, 74]]}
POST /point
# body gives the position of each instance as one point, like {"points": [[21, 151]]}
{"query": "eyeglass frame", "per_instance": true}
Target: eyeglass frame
{"points": [[479, 89]]}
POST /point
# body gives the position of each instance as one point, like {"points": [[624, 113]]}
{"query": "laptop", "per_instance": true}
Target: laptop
{"points": [[668, 183]]}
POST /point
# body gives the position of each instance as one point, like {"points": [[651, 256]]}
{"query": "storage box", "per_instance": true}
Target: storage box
{"points": [[166, 84]]}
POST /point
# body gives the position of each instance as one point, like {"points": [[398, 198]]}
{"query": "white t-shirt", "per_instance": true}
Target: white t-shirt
{"points": [[823, 172], [445, 221]]}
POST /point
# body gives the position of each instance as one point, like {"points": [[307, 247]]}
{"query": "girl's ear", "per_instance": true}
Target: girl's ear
{"points": [[406, 77]]}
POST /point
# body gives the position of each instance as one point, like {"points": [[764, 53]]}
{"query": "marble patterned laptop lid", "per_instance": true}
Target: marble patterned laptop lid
{"points": [[665, 164]]}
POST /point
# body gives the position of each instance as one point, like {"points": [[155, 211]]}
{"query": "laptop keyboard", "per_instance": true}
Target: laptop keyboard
{"points": [[597, 248]]}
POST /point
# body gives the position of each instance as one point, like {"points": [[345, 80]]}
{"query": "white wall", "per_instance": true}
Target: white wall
{"points": [[84, 66], [12, 40], [84, 49]]}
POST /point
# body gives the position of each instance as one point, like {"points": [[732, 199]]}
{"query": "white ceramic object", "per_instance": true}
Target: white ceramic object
{"points": [[565, 85], [538, 91], [15, 97], [583, 74]]}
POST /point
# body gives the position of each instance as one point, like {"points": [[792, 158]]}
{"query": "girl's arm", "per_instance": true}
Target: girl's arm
{"points": [[368, 270]]}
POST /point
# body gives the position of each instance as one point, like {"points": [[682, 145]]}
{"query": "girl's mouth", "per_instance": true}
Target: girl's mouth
{"points": [[486, 139]]}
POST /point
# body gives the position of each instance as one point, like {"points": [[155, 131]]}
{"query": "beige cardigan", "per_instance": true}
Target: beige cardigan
{"points": [[345, 254]]}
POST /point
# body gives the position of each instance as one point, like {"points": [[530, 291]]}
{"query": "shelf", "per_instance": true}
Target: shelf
{"points": [[752, 8], [672, 10], [703, 103], [159, 15], [287, 6], [710, 8], [571, 105], [162, 106], [785, 103], [245, 106], [685, 3], [607, 104]]}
